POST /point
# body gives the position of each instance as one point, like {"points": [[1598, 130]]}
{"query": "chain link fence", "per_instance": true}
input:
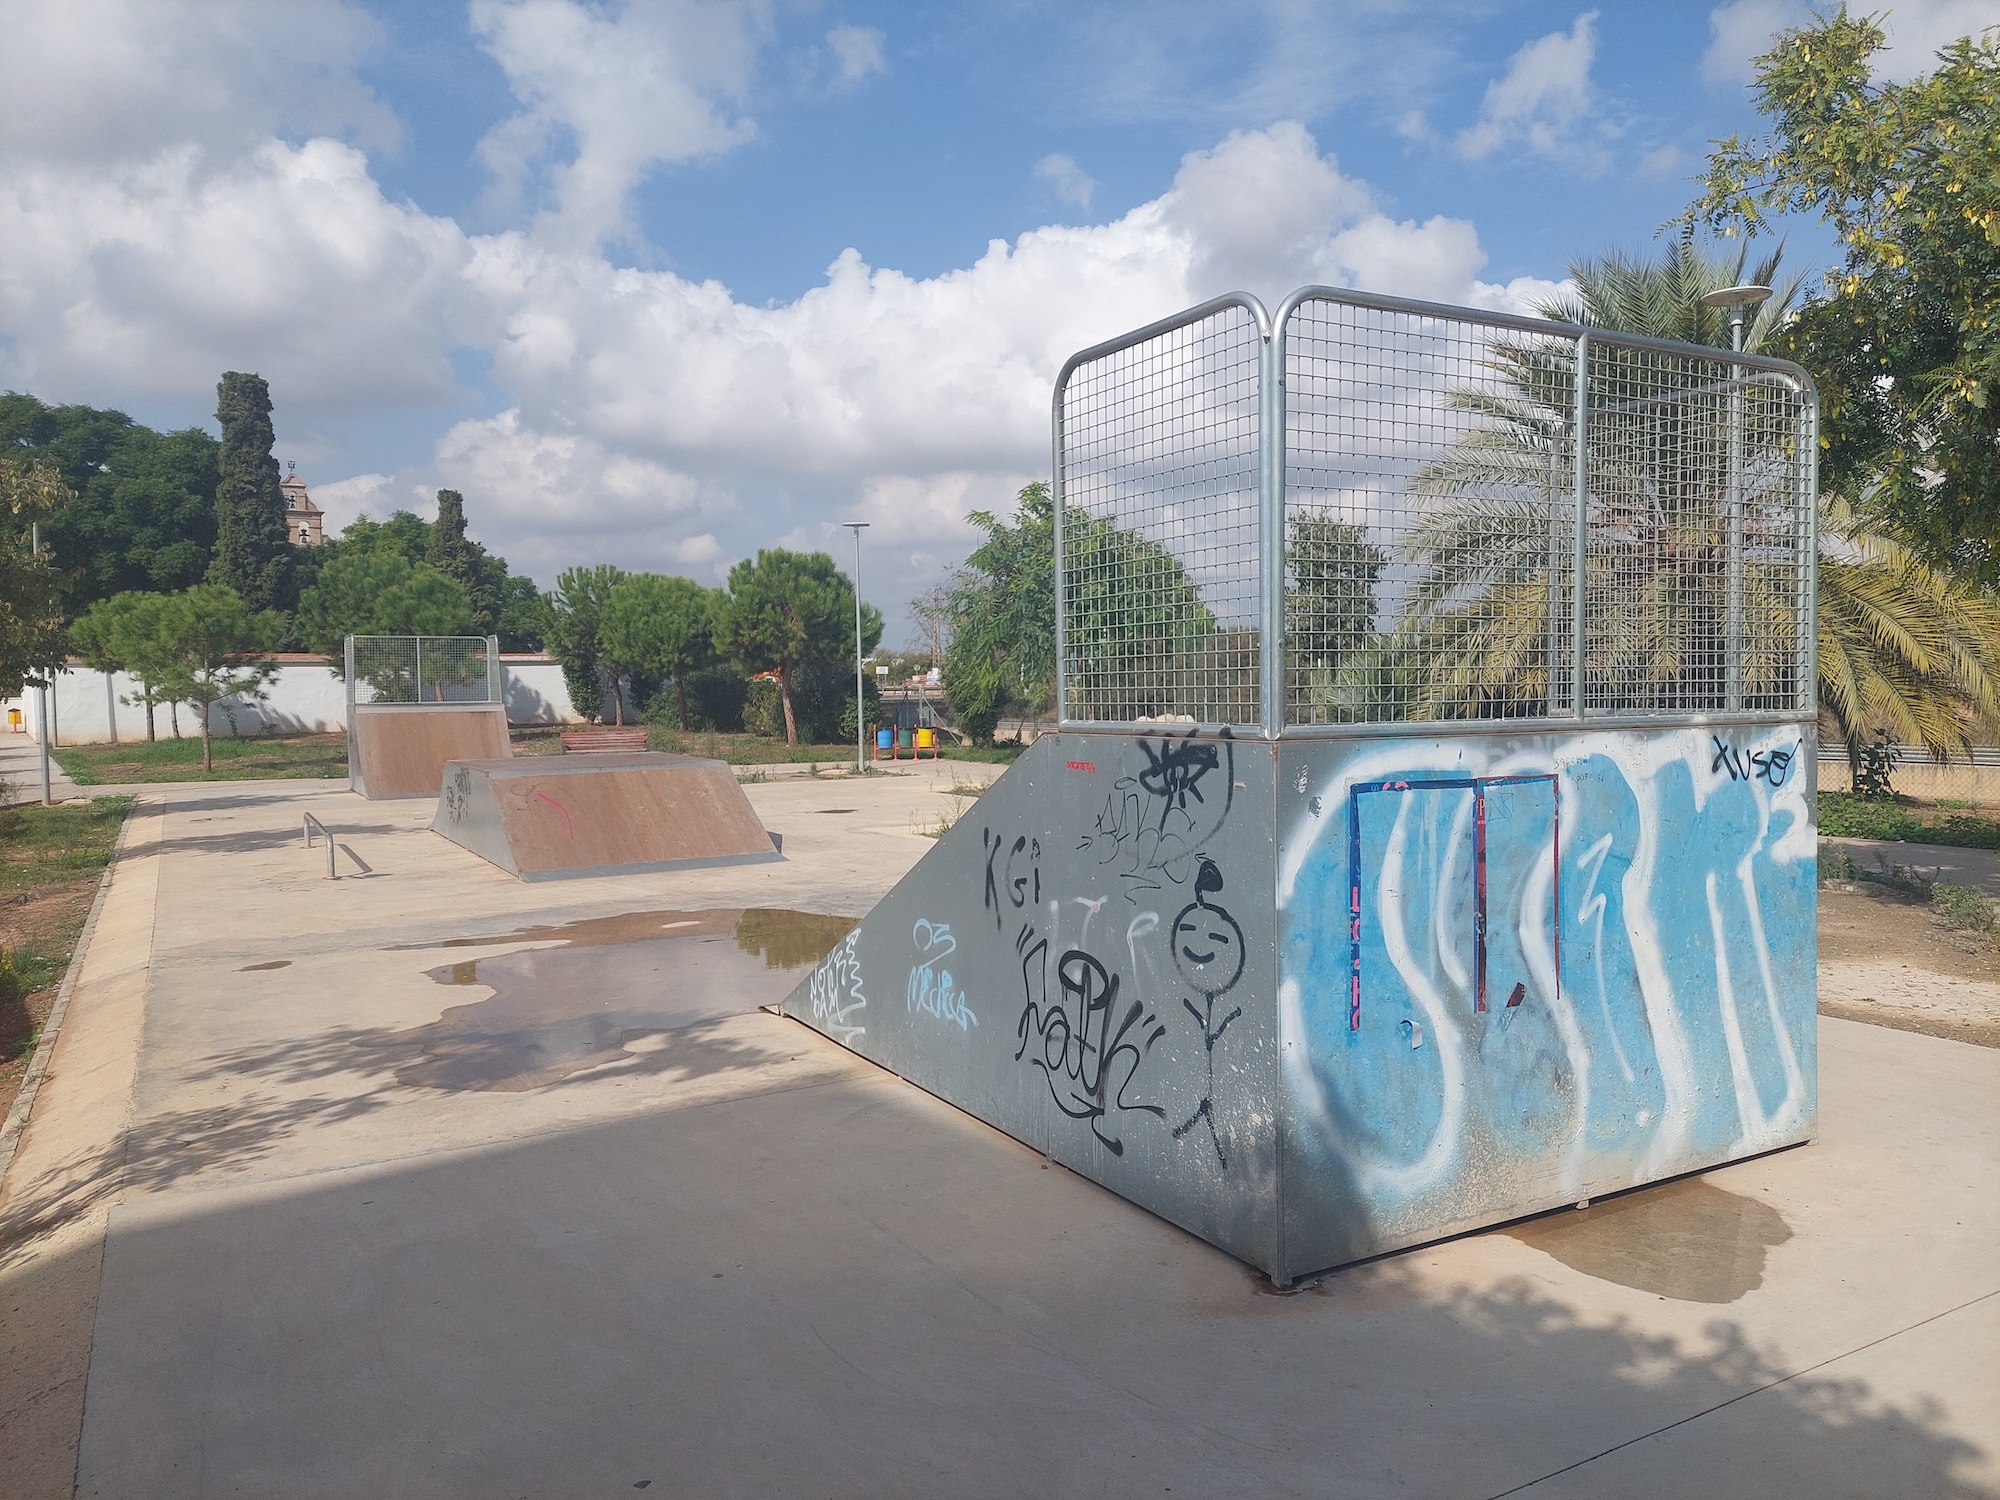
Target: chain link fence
{"points": [[1481, 516], [420, 669]]}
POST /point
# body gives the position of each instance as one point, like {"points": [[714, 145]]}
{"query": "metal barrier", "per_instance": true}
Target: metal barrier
{"points": [[1367, 512], [423, 669], [311, 824]]}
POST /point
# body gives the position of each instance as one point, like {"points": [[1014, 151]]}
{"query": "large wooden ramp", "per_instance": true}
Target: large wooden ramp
{"points": [[553, 817]]}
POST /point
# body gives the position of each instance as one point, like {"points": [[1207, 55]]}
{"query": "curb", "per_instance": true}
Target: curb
{"points": [[38, 1066]]}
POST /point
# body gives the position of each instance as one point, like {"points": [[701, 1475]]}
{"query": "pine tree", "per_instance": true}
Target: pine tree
{"points": [[252, 552]]}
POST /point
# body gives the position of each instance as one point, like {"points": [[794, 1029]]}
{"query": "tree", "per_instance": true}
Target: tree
{"points": [[457, 556], [1900, 641], [31, 624], [1331, 569], [1904, 338], [575, 610], [122, 634], [142, 509], [252, 555], [379, 593], [1003, 617], [931, 612], [524, 615], [215, 649], [656, 626], [786, 610]]}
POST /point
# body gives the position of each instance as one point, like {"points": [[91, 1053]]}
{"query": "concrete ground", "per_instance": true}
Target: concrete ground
{"points": [[419, 1183]]}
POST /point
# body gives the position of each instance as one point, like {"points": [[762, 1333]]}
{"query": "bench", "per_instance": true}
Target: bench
{"points": [[591, 741]]}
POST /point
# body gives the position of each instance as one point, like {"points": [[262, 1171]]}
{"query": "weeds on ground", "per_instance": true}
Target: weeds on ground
{"points": [[1837, 866], [244, 758], [1962, 907]]}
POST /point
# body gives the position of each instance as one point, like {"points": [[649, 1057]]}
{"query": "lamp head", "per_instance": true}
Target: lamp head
{"points": [[1731, 298]]}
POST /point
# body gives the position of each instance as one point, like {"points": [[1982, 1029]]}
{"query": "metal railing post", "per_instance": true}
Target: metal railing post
{"points": [[1580, 545], [1732, 642], [310, 824], [1271, 484], [1056, 497]]}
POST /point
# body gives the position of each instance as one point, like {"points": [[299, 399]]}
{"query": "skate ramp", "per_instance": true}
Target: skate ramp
{"points": [[554, 817], [1315, 1000], [401, 750]]}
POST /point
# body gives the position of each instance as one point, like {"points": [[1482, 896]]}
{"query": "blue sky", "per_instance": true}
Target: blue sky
{"points": [[658, 283]]}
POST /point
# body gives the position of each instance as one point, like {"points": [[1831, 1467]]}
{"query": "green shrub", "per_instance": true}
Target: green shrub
{"points": [[1873, 767], [1963, 907], [763, 709], [1836, 864], [12, 985], [1842, 815]]}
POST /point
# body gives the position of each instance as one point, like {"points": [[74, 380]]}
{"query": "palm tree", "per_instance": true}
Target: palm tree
{"points": [[1901, 644]]}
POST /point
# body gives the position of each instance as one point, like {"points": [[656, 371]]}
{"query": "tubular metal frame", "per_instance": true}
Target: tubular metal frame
{"points": [[1272, 329]]}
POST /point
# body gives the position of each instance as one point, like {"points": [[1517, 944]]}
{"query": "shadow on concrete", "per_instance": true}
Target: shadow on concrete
{"points": [[245, 841], [854, 1290]]}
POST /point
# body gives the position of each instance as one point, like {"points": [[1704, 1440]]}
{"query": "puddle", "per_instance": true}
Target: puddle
{"points": [[610, 991], [1688, 1240], [276, 963]]}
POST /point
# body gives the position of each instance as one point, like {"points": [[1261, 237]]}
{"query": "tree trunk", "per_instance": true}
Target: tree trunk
{"points": [[174, 715], [150, 736], [785, 696], [681, 688], [618, 699], [207, 748]]}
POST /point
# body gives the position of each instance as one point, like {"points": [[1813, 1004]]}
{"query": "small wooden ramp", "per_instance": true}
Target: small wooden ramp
{"points": [[401, 749], [616, 813]]}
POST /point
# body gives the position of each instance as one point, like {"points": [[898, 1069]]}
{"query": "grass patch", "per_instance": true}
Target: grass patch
{"points": [[252, 758], [1844, 815], [50, 861], [744, 749]]}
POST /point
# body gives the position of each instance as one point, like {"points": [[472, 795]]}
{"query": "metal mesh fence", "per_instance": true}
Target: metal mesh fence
{"points": [[1429, 524], [422, 669], [1161, 598], [1483, 517]]}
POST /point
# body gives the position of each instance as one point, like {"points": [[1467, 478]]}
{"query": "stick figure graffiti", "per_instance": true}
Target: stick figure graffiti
{"points": [[1208, 951]]}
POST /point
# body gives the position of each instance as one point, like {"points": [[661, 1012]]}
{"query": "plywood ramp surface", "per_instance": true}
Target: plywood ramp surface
{"points": [[403, 752], [543, 817]]}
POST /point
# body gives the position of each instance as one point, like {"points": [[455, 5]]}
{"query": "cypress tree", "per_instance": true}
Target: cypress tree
{"points": [[252, 555], [456, 555]]}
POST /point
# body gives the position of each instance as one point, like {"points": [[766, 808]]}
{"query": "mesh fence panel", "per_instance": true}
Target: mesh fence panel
{"points": [[1434, 520], [421, 669], [1162, 601], [1429, 523]]}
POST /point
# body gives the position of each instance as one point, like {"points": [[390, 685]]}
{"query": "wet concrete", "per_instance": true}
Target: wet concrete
{"points": [[610, 991], [1688, 1240]]}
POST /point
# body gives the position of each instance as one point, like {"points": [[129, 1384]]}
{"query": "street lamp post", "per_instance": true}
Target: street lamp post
{"points": [[860, 718], [42, 692], [1736, 301]]}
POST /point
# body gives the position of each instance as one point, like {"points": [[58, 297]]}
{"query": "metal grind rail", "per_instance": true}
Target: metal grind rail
{"points": [[310, 824]]}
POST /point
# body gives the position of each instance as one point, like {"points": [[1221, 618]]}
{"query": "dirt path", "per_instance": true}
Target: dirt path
{"points": [[1885, 959]]}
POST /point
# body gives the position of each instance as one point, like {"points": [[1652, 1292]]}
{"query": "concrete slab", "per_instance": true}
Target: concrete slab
{"points": [[346, 1254]]}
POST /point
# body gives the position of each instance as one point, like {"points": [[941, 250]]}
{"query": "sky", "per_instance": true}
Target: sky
{"points": [[658, 284]]}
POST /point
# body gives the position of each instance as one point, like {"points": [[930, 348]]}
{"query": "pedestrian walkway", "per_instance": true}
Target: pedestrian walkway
{"points": [[21, 772]]}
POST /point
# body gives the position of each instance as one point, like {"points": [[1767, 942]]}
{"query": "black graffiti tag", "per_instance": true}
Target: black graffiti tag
{"points": [[1174, 771], [1154, 821], [1208, 950], [1773, 767], [1088, 1065], [1020, 889]]}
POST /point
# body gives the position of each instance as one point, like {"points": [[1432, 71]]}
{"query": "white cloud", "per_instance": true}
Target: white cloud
{"points": [[630, 88], [108, 80], [1070, 182], [1663, 161], [1916, 29], [1542, 98], [857, 53], [1414, 126]]}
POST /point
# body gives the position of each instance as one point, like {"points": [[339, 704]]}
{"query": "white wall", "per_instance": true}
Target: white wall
{"points": [[304, 698]]}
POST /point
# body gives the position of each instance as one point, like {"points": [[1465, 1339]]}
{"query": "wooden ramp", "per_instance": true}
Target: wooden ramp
{"points": [[617, 813], [401, 749]]}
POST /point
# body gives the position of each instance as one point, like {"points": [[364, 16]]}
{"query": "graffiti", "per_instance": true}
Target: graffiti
{"points": [[1019, 889], [1082, 765], [930, 989], [835, 990], [1088, 1065], [457, 796], [1773, 767], [1154, 823], [1482, 788], [1208, 951]]}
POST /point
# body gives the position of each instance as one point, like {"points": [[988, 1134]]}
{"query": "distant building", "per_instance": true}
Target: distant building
{"points": [[303, 521]]}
